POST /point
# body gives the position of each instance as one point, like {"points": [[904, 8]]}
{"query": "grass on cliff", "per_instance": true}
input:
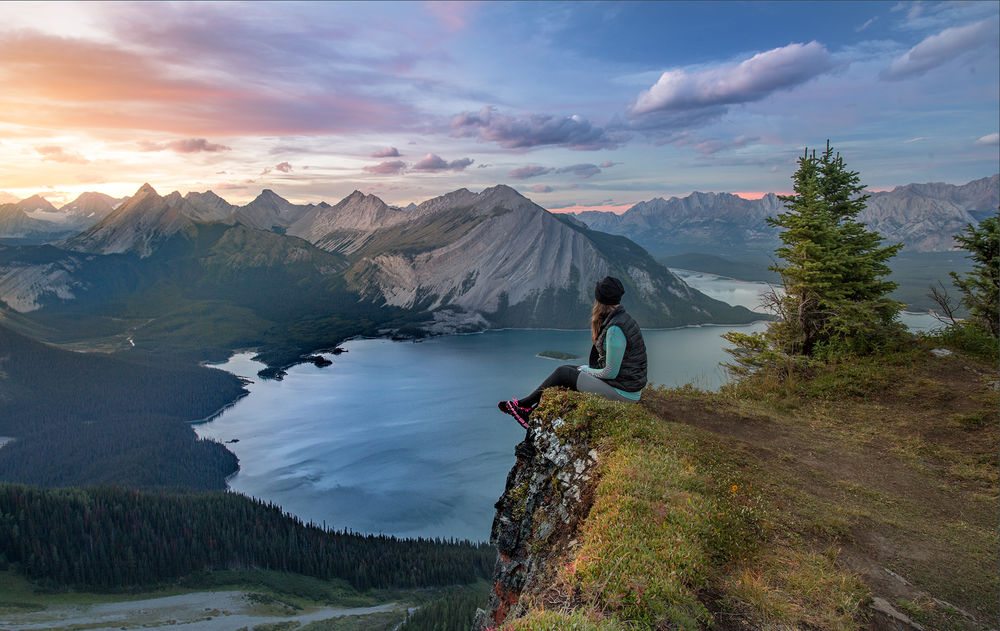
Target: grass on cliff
{"points": [[669, 514], [786, 502]]}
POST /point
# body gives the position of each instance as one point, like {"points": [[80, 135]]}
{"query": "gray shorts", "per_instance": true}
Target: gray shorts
{"points": [[586, 382]]}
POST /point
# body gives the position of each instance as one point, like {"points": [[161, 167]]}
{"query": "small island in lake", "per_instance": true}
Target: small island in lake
{"points": [[319, 361], [559, 355]]}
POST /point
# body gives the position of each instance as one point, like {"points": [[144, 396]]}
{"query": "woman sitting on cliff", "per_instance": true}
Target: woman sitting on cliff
{"points": [[617, 367]]}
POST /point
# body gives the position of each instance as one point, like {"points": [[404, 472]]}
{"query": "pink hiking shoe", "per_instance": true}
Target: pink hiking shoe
{"points": [[515, 409]]}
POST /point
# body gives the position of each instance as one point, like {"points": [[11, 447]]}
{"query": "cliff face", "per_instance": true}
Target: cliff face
{"points": [[548, 492]]}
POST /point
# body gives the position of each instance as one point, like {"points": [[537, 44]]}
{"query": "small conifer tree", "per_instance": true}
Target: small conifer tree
{"points": [[833, 269]]}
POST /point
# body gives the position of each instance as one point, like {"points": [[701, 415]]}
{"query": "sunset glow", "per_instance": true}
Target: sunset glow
{"points": [[411, 100], [579, 208]]}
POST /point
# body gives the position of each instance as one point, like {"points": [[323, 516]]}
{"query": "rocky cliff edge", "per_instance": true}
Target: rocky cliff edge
{"points": [[607, 520], [695, 510]]}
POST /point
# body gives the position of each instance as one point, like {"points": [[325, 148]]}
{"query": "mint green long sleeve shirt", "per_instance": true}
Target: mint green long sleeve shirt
{"points": [[614, 352]]}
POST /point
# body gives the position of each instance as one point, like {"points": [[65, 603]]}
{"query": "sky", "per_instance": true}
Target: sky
{"points": [[575, 105]]}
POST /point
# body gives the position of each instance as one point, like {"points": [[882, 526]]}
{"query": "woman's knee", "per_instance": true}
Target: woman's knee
{"points": [[565, 376], [567, 370]]}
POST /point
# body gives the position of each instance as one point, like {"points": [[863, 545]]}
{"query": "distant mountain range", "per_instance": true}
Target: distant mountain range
{"points": [[34, 220], [192, 272], [924, 217]]}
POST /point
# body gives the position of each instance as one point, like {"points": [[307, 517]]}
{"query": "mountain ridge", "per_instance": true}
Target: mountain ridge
{"points": [[150, 277], [922, 216]]}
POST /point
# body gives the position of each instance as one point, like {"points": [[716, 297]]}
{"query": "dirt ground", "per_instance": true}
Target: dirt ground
{"points": [[221, 611], [903, 481]]}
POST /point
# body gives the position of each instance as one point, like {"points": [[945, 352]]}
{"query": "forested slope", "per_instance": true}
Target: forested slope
{"points": [[90, 418], [114, 538]]}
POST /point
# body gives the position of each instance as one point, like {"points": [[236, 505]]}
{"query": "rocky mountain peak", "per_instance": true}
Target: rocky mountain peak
{"points": [[35, 202], [269, 211], [207, 206], [91, 200], [501, 190], [145, 190], [267, 196], [136, 226], [505, 195], [358, 198], [207, 195], [342, 227]]}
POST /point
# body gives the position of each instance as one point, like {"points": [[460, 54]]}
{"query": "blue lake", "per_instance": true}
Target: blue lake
{"points": [[405, 438]]}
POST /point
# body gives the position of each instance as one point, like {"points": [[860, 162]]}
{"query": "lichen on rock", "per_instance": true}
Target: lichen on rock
{"points": [[546, 495]]}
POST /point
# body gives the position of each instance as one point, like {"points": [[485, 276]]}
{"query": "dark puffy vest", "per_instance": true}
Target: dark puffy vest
{"points": [[632, 374]]}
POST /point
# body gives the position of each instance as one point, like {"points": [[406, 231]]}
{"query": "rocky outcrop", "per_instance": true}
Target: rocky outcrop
{"points": [[547, 495]]}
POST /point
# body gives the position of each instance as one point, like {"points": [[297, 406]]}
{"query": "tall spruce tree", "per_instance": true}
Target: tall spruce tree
{"points": [[833, 269]]}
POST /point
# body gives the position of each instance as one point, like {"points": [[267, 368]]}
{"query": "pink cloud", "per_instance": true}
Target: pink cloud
{"points": [[387, 152], [525, 172], [433, 162], [59, 154], [541, 188], [452, 15], [65, 83], [186, 145], [389, 167], [284, 167], [534, 130]]}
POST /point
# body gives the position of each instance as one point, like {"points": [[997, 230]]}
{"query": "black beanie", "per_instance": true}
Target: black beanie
{"points": [[609, 291]]}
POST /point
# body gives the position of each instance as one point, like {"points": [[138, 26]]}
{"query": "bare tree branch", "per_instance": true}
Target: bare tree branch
{"points": [[945, 302]]}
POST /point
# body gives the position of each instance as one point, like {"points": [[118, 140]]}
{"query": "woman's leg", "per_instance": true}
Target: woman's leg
{"points": [[589, 383], [564, 376]]}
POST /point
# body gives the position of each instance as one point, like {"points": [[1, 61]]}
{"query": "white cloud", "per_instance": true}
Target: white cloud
{"points": [[749, 80], [989, 140], [938, 49], [865, 25]]}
